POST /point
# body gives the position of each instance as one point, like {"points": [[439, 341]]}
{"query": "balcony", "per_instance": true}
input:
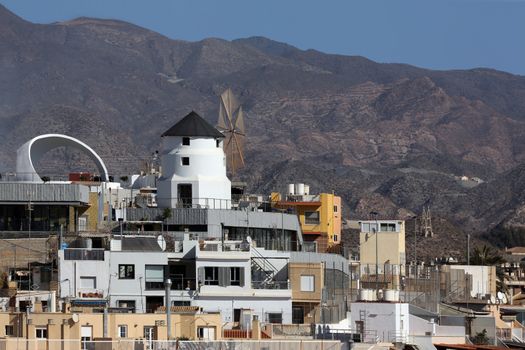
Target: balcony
{"points": [[270, 285], [84, 254]]}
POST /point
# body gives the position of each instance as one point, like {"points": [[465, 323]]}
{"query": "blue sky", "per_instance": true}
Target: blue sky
{"points": [[438, 34]]}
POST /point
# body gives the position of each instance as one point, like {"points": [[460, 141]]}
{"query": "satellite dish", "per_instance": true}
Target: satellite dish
{"points": [[504, 300], [74, 317], [500, 296], [231, 124], [492, 299], [473, 294], [248, 239], [161, 242]]}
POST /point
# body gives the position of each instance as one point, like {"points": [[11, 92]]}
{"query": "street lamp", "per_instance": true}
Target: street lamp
{"points": [[375, 214]]}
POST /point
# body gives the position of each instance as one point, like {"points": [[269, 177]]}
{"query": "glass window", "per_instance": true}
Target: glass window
{"points": [[126, 272], [123, 331], [274, 317], [311, 217], [388, 227], [154, 276], [129, 304], [235, 276], [9, 330], [185, 161], [211, 275], [185, 141], [41, 332], [307, 283], [88, 282], [335, 208], [335, 238]]}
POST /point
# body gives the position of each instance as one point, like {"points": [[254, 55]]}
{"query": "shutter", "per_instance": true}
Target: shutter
{"points": [[241, 277], [201, 275], [223, 271]]}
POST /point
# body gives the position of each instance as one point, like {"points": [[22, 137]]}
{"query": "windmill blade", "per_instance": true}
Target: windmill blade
{"points": [[221, 124], [239, 121], [239, 147]]}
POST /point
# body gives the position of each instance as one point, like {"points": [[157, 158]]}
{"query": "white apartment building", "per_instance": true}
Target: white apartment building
{"points": [[232, 277]]}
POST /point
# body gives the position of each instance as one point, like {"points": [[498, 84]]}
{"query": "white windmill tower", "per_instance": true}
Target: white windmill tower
{"points": [[193, 166]]}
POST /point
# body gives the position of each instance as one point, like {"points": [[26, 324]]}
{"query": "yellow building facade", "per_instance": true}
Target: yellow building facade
{"points": [[319, 215], [44, 330], [382, 241]]}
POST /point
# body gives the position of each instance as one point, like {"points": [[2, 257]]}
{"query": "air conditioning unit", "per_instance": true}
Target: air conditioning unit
{"points": [[160, 323]]}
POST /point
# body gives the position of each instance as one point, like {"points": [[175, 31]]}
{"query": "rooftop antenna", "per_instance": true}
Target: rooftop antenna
{"points": [[426, 222], [231, 124]]}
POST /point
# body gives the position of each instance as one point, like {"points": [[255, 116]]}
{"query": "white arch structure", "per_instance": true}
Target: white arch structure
{"points": [[33, 150]]}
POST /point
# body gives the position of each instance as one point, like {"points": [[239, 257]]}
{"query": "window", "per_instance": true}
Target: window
{"points": [[235, 276], [126, 272], [211, 276], [185, 161], [307, 283], [217, 143], [88, 282], [9, 330], [311, 217], [206, 333], [385, 227], [274, 317], [122, 331], [185, 141], [335, 209], [335, 238], [154, 277], [128, 304], [368, 227], [41, 332]]}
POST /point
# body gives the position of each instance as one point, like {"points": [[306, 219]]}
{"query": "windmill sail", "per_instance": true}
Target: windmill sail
{"points": [[231, 123]]}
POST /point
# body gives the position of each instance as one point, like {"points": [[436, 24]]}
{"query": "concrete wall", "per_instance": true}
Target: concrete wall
{"points": [[306, 269], [386, 320], [483, 278]]}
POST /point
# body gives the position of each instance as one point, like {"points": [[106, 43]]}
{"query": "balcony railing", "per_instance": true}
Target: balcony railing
{"points": [[216, 246], [270, 285], [83, 254]]}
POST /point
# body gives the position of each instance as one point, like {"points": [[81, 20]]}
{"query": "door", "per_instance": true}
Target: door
{"points": [[185, 195], [149, 336], [298, 315]]}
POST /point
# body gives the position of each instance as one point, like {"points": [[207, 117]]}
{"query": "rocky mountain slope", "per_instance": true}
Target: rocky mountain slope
{"points": [[387, 137]]}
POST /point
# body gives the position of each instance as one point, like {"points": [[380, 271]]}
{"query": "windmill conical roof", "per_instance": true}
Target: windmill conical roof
{"points": [[193, 125]]}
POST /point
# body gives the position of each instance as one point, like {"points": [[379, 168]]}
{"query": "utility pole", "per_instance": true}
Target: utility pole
{"points": [[468, 248], [374, 214], [29, 209], [167, 285]]}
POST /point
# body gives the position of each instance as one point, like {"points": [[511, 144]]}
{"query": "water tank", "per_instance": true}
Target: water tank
{"points": [[372, 295], [364, 294], [306, 190], [291, 189], [390, 295], [299, 189]]}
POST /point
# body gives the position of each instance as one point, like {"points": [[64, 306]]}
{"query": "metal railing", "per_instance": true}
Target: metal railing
{"points": [[84, 254], [271, 285], [216, 246], [12, 343]]}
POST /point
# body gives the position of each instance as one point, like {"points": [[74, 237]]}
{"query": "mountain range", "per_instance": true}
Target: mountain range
{"points": [[387, 137]]}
